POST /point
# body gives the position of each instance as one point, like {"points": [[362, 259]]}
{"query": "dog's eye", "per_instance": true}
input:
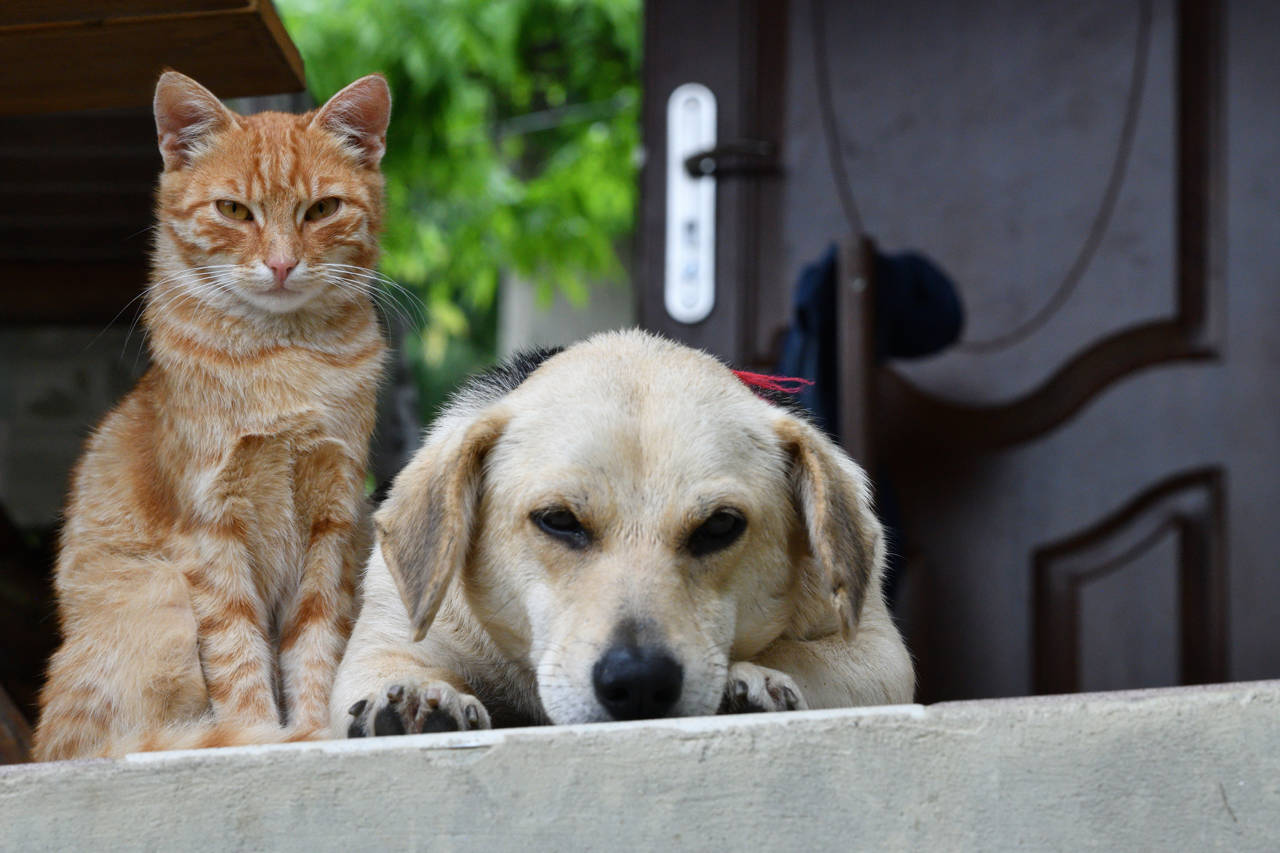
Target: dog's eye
{"points": [[719, 531], [563, 525]]}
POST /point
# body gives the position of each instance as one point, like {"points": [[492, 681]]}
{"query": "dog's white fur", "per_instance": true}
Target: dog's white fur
{"points": [[641, 439]]}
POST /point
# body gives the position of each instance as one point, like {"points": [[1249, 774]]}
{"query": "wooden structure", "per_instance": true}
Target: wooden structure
{"points": [[87, 54], [79, 159]]}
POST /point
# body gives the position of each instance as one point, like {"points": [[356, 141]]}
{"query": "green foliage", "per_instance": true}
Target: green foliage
{"points": [[512, 142]]}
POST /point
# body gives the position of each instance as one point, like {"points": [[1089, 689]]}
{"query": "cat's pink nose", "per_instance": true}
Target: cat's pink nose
{"points": [[282, 267]]}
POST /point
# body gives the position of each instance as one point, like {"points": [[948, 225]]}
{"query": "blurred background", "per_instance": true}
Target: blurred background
{"points": [[511, 162], [1027, 250]]}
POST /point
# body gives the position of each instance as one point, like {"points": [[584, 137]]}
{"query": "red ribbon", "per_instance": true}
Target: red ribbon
{"points": [[785, 384]]}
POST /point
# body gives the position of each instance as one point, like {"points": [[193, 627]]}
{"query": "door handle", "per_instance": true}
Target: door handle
{"points": [[690, 270], [736, 157]]}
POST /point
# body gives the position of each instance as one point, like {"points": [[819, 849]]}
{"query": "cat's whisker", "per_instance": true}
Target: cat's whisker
{"points": [[153, 298], [188, 271], [381, 299], [162, 301], [372, 273], [395, 292], [349, 283], [411, 301], [389, 308], [385, 305], [142, 231], [140, 294], [388, 304], [186, 281], [381, 278]]}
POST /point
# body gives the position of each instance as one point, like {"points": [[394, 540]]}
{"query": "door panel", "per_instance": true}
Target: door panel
{"points": [[1076, 168], [1142, 600], [1138, 598]]}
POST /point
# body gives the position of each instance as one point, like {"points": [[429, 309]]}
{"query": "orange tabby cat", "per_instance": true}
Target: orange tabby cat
{"points": [[206, 573]]}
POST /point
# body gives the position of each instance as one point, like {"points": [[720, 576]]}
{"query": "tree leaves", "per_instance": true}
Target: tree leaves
{"points": [[514, 130]]}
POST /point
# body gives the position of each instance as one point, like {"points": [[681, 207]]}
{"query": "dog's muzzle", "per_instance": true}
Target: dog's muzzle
{"points": [[634, 682]]}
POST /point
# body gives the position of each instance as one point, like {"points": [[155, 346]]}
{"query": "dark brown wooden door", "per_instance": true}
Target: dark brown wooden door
{"points": [[1086, 482], [737, 49]]}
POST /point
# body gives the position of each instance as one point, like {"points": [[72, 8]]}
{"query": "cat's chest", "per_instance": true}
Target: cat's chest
{"points": [[335, 400], [219, 396], [288, 403], [275, 491], [271, 451]]}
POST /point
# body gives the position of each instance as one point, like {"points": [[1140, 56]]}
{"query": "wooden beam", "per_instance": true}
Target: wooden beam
{"points": [[90, 293], [101, 59]]}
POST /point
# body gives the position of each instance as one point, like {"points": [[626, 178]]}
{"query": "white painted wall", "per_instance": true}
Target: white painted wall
{"points": [[1180, 769]]}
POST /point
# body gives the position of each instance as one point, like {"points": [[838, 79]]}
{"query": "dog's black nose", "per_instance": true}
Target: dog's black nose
{"points": [[637, 682]]}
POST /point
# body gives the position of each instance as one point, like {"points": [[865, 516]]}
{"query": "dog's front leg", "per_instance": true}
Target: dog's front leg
{"points": [[389, 685], [830, 672], [752, 689], [386, 686], [427, 701]]}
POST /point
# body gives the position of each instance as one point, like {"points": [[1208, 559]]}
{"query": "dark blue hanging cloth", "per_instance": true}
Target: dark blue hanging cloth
{"points": [[917, 313]]}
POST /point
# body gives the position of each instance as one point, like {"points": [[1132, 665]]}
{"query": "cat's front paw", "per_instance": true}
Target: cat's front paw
{"points": [[407, 708], [751, 689]]}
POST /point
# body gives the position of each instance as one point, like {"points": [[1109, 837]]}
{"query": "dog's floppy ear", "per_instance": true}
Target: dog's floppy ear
{"points": [[834, 500], [425, 525]]}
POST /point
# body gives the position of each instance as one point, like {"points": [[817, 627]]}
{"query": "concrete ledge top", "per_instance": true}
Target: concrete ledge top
{"points": [[1180, 768]]}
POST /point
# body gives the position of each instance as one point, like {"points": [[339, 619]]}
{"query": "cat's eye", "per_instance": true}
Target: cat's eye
{"points": [[322, 209], [721, 529], [559, 523], [234, 210]]}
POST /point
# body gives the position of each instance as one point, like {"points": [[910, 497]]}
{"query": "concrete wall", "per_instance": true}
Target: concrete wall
{"points": [[1179, 769], [55, 385], [523, 323]]}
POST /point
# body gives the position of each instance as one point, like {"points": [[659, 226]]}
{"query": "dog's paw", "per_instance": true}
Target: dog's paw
{"points": [[409, 708], [751, 689]]}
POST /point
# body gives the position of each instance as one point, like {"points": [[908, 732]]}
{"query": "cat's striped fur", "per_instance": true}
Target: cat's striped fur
{"points": [[206, 574]]}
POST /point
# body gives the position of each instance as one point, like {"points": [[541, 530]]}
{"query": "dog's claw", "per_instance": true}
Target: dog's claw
{"points": [[754, 688], [388, 722], [411, 707]]}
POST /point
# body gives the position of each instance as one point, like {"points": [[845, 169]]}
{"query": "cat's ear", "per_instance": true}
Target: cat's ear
{"points": [[359, 115], [187, 114]]}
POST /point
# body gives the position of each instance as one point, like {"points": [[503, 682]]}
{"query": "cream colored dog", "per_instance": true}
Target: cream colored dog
{"points": [[617, 531]]}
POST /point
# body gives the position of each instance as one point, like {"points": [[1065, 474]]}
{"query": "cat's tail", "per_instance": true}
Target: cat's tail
{"points": [[207, 736], [191, 735]]}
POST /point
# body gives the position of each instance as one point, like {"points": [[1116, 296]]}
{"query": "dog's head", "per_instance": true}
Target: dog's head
{"points": [[627, 520]]}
